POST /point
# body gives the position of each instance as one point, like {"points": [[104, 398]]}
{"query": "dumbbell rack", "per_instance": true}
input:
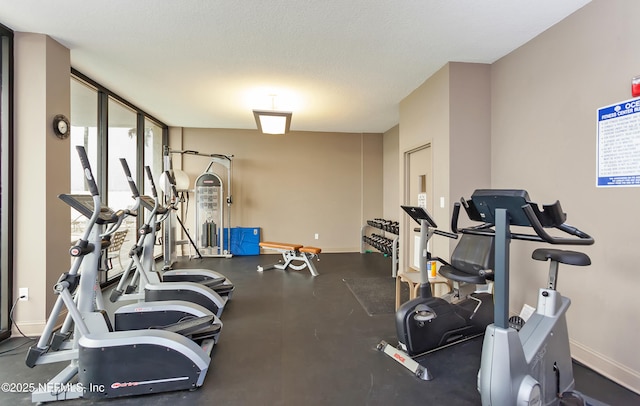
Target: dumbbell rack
{"points": [[388, 245]]}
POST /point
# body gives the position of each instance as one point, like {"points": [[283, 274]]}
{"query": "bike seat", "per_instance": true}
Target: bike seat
{"points": [[562, 256]]}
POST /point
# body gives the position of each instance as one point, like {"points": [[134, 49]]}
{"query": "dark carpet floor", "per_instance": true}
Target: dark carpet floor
{"points": [[291, 339]]}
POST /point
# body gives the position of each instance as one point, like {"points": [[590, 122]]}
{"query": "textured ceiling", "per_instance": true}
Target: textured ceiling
{"points": [[338, 65]]}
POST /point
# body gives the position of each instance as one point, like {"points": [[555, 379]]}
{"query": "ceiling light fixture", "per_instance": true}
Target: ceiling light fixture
{"points": [[272, 121]]}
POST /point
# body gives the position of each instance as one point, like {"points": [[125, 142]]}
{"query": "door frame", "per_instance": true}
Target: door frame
{"points": [[405, 223]]}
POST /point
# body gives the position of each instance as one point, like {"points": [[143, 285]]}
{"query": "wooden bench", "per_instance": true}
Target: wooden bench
{"points": [[292, 252]]}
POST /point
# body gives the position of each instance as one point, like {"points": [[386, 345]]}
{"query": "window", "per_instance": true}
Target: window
{"points": [[6, 175], [153, 159], [111, 128], [122, 142], [84, 131], [152, 148]]}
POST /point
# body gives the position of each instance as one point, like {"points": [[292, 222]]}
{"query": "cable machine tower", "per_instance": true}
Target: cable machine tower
{"points": [[213, 201]]}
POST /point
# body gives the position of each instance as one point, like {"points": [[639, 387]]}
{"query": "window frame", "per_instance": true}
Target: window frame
{"points": [[104, 95], [6, 181]]}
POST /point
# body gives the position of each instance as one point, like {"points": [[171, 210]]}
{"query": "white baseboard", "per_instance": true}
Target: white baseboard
{"points": [[35, 328], [605, 366], [30, 329]]}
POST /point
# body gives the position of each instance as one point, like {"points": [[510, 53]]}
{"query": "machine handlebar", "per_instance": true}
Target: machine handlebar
{"points": [[172, 182], [82, 153], [127, 173], [446, 234], [454, 217], [154, 193], [582, 237], [549, 216]]}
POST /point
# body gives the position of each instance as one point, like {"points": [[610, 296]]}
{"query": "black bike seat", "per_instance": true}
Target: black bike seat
{"points": [[563, 256]]}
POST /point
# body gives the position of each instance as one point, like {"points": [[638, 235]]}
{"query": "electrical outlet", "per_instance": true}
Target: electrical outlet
{"points": [[317, 236], [23, 292]]}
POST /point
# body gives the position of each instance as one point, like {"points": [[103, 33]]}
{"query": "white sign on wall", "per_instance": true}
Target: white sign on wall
{"points": [[422, 200], [618, 156]]}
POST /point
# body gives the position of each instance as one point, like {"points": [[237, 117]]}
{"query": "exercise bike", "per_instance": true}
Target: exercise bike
{"points": [[531, 366], [428, 323]]}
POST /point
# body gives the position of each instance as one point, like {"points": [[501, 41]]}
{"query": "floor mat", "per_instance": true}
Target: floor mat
{"points": [[377, 295]]}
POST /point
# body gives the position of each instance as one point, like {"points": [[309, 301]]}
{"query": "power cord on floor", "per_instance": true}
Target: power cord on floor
{"points": [[6, 352], [13, 321]]}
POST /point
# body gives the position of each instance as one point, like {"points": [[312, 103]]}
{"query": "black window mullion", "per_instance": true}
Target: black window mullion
{"points": [[6, 180], [103, 142], [140, 174]]}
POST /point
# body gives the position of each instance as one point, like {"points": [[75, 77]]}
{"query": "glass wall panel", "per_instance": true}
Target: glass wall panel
{"points": [[84, 132], [122, 141], [152, 149], [153, 159], [107, 126]]}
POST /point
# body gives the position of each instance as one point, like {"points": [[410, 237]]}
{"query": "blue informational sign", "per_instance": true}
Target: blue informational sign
{"points": [[619, 144]]}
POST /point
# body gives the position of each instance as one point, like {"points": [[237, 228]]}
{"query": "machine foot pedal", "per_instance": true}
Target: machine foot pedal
{"points": [[58, 339], [190, 326], [405, 360], [212, 332]]}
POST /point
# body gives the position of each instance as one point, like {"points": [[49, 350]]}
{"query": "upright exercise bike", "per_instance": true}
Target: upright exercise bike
{"points": [[531, 366]]}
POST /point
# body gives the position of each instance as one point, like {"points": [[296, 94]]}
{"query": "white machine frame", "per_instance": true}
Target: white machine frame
{"points": [[302, 255], [92, 336], [151, 287], [170, 241]]}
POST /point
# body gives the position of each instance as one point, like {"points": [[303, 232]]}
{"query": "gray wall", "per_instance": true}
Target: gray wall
{"points": [[544, 101], [390, 165], [42, 162], [541, 136], [296, 185], [450, 111], [424, 119]]}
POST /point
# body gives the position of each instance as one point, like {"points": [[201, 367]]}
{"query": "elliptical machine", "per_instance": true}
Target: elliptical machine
{"points": [[152, 288], [110, 363], [157, 314], [531, 366]]}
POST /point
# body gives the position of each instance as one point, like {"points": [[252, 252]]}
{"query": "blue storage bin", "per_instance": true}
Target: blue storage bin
{"points": [[244, 240]]}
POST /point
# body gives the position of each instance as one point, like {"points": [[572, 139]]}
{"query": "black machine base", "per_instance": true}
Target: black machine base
{"points": [[150, 369], [152, 295], [425, 324], [177, 321]]}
